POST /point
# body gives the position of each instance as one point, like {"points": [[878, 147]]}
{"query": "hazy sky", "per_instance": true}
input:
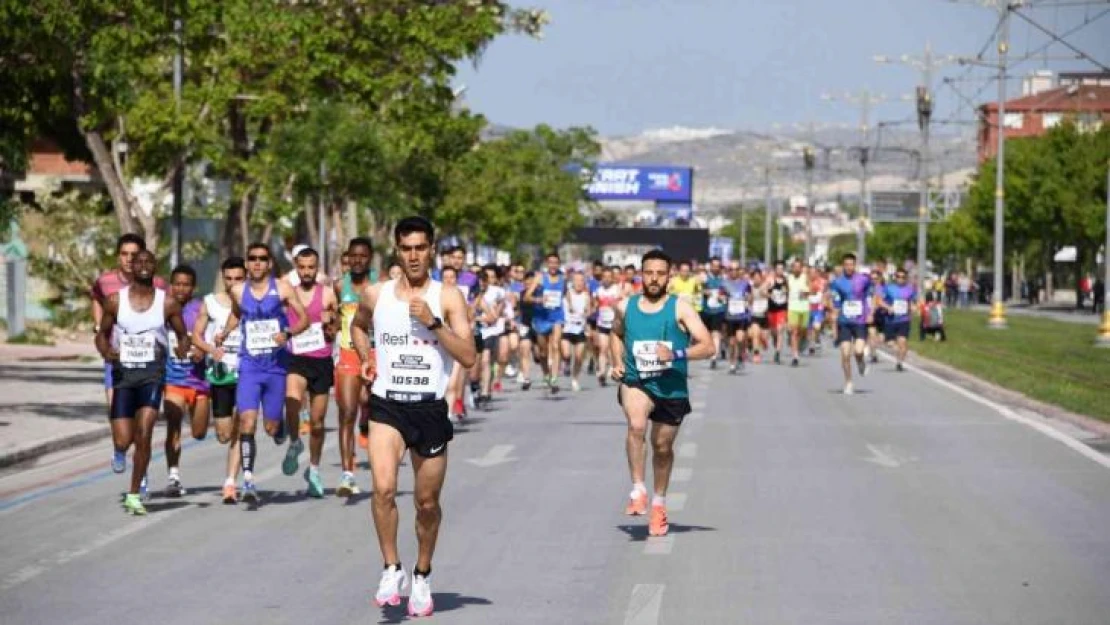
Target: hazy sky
{"points": [[624, 66]]}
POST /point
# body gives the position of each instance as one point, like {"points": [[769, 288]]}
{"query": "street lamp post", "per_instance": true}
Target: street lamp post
{"points": [[1104, 331], [767, 216], [179, 167], [810, 160], [924, 114], [998, 309]]}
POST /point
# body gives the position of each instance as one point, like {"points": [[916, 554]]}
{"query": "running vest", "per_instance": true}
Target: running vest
{"points": [[759, 304], [492, 295], [226, 371], [574, 309], [607, 299], [140, 339], [348, 306], [715, 301], [184, 372], [851, 294], [412, 365], [900, 299], [311, 343], [799, 292], [261, 320], [736, 304], [641, 333], [551, 292], [779, 295]]}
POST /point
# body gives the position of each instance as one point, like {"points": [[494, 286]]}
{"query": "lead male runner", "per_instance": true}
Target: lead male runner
{"points": [[420, 329], [650, 346]]}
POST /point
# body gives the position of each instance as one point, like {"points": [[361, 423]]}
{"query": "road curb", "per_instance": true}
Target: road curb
{"points": [[55, 444], [1010, 398]]}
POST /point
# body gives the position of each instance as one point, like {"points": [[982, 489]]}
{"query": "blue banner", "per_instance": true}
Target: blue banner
{"points": [[721, 247], [675, 210], [641, 183]]}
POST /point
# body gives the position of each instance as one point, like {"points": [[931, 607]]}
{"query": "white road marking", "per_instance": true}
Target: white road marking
{"points": [[887, 456], [1010, 414], [698, 405], [676, 501], [695, 415], [688, 450], [644, 605], [499, 454], [682, 474], [132, 526], [658, 545]]}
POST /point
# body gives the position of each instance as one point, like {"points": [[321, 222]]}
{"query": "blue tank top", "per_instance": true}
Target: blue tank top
{"points": [[641, 365], [261, 319], [551, 294], [714, 303], [736, 300], [184, 372]]}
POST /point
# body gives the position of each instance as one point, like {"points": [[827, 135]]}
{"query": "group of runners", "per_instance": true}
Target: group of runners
{"points": [[408, 353]]}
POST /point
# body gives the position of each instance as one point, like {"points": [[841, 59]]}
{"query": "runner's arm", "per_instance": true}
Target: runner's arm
{"points": [[290, 299], [360, 325], [97, 306], [454, 334], [701, 343], [330, 314], [177, 324], [199, 326], [616, 341], [107, 323], [235, 294]]}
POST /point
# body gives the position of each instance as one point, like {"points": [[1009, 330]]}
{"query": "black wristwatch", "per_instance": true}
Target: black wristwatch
{"points": [[437, 324]]}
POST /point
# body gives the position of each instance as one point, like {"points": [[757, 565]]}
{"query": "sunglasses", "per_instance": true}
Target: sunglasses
{"points": [[259, 259], [234, 279]]}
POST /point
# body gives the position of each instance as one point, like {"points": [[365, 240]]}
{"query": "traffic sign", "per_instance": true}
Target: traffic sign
{"points": [[895, 206]]}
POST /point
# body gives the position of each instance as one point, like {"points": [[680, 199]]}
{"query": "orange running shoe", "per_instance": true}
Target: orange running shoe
{"points": [[231, 494], [363, 440], [657, 524], [637, 504]]}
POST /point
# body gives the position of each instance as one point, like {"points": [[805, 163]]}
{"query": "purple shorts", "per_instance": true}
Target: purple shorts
{"points": [[261, 388]]}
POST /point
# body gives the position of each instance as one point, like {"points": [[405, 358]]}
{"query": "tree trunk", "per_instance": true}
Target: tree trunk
{"points": [[310, 223]]}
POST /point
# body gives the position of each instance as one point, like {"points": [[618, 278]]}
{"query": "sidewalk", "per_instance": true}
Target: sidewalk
{"points": [[1067, 314], [51, 398]]}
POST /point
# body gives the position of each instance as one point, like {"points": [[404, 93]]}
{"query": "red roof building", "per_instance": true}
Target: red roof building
{"points": [[1033, 115]]}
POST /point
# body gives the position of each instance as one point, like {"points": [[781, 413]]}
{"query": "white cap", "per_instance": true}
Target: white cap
{"points": [[297, 249]]}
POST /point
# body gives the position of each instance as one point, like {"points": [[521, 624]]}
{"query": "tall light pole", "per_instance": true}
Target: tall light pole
{"points": [[1104, 330], [179, 168], [998, 309], [743, 235], [865, 100], [809, 159], [767, 216]]}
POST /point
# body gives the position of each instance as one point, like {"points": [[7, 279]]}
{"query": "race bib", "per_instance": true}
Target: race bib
{"points": [[778, 297], [648, 363], [575, 323], [606, 315], [552, 299], [310, 340], [852, 309], [815, 299], [738, 306], [260, 335], [759, 307], [900, 307], [411, 374], [712, 300], [136, 350]]}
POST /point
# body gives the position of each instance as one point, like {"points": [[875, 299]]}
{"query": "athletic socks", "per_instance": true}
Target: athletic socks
{"points": [[246, 452], [659, 500]]}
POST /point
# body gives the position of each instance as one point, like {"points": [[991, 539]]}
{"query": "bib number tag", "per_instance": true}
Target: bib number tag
{"points": [[853, 309], [901, 307], [648, 363], [815, 299], [575, 324], [552, 299], [310, 340], [712, 300], [136, 350], [412, 374], [779, 297], [260, 335], [605, 316], [737, 306], [759, 307]]}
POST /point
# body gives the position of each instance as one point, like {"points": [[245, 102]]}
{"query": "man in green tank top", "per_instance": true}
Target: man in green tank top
{"points": [[654, 336]]}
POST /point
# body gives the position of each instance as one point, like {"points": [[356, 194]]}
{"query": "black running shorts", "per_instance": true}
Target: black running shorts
{"points": [[665, 411], [424, 425], [127, 401], [897, 329], [223, 400], [318, 372], [847, 333]]}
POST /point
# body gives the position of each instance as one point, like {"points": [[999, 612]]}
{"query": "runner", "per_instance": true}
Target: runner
{"points": [[876, 327], [577, 307], [654, 336], [421, 329], [107, 284], [311, 371], [222, 366], [132, 337], [527, 350], [187, 390], [738, 316], [714, 306], [760, 306], [606, 298], [260, 303], [898, 300], [490, 309], [798, 318], [546, 298], [817, 319], [351, 396], [779, 295], [851, 295]]}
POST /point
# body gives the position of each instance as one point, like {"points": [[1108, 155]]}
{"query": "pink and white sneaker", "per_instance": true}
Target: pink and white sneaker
{"points": [[390, 587], [420, 600]]}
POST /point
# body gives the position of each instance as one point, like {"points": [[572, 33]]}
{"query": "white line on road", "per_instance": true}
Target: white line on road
{"points": [[499, 454], [676, 501], [697, 414], [133, 526], [658, 545], [886, 456], [682, 474], [1006, 412], [698, 405], [644, 605], [688, 450]]}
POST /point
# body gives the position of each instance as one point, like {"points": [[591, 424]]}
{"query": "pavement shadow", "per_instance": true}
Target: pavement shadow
{"points": [[280, 498], [443, 601], [858, 391], [639, 533], [88, 411], [53, 375], [165, 505], [611, 423]]}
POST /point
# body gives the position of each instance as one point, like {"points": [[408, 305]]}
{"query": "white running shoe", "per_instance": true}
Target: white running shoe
{"points": [[848, 390], [574, 386], [420, 600], [390, 587], [510, 371]]}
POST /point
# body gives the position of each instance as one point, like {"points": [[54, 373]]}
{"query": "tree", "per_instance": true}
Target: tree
{"points": [[755, 226]]}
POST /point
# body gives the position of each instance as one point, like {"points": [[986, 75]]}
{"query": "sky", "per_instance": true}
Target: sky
{"points": [[625, 66]]}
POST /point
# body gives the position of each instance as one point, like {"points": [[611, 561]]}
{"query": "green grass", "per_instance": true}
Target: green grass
{"points": [[1051, 361], [31, 336]]}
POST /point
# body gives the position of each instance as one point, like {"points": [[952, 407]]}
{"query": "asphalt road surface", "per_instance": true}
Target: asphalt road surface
{"points": [[906, 503]]}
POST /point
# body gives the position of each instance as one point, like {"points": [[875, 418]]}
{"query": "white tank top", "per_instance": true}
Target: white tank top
{"points": [[575, 308], [219, 314], [138, 335], [412, 365]]}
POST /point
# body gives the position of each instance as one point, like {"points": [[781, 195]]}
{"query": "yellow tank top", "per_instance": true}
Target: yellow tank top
{"points": [[688, 290]]}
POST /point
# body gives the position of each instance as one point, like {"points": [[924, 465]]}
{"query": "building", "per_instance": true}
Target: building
{"points": [[1082, 97]]}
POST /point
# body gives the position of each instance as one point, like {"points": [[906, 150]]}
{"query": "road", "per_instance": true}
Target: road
{"points": [[907, 502]]}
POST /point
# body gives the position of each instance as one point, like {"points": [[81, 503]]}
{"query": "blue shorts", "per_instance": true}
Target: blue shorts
{"points": [[849, 332], [544, 327], [261, 388], [817, 317], [127, 401]]}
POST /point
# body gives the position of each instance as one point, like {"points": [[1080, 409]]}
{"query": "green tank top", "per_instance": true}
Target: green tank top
{"points": [[641, 333], [348, 306]]}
